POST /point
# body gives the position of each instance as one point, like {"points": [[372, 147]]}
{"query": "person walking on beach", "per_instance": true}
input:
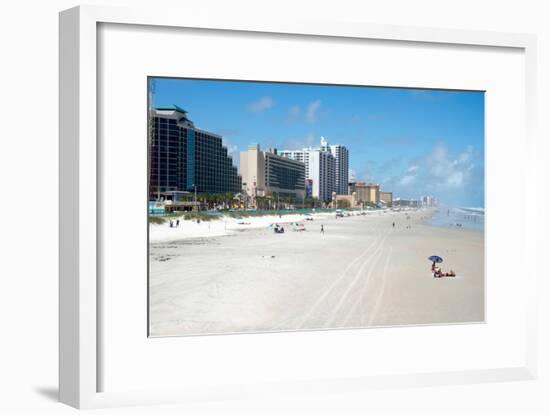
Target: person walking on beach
{"points": [[177, 223], [322, 230]]}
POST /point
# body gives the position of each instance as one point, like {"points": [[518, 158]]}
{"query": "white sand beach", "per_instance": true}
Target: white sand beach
{"points": [[233, 275], [225, 225]]}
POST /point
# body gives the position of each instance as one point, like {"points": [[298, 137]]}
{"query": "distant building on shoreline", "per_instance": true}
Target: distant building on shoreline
{"points": [[268, 174], [387, 198], [185, 158], [398, 202], [345, 201], [366, 192], [428, 201]]}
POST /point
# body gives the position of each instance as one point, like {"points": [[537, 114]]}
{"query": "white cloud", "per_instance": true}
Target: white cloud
{"points": [[466, 156], [438, 171], [261, 104], [407, 180], [450, 171], [455, 179], [312, 109]]}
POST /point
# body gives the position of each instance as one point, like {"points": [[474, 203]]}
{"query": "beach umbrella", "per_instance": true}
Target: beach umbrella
{"points": [[435, 258]]}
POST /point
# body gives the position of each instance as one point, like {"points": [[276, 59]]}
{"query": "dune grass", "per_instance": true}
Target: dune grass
{"points": [[199, 216], [206, 217], [157, 220], [251, 213]]}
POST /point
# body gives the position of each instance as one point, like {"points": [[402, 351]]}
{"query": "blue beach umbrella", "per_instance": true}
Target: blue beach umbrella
{"points": [[435, 258]]}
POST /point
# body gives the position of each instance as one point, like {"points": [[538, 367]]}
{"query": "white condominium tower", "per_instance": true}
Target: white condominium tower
{"points": [[320, 169], [327, 167]]}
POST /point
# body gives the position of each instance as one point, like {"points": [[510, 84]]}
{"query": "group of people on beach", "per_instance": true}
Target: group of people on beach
{"points": [[437, 273], [406, 227], [175, 224]]}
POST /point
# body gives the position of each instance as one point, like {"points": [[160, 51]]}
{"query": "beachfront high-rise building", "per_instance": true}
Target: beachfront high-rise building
{"points": [[266, 173], [322, 172], [341, 166], [252, 169], [309, 187], [320, 167], [341, 155], [185, 158], [303, 157], [327, 167]]}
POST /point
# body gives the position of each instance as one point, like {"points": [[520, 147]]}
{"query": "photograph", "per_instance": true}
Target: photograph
{"points": [[282, 206]]}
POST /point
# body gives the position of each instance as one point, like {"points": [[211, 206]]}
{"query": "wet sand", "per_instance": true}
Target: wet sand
{"points": [[361, 272]]}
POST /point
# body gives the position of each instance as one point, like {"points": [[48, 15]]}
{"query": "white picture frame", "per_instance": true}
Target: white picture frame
{"points": [[78, 342]]}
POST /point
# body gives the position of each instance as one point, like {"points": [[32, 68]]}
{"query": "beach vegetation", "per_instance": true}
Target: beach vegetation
{"points": [[252, 213], [203, 216], [157, 220]]}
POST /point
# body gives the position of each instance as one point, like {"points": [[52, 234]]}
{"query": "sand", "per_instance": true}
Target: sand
{"points": [[225, 225], [361, 272]]}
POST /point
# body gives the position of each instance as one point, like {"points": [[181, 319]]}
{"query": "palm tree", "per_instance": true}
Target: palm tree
{"points": [[227, 198], [261, 202]]}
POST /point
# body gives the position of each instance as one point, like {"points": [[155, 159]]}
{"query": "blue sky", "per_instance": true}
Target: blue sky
{"points": [[413, 142]]}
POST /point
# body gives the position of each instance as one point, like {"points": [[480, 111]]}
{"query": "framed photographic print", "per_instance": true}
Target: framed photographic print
{"points": [[332, 192], [259, 223]]}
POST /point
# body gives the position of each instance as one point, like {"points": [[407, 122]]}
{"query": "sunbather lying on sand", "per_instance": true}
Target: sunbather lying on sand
{"points": [[438, 273]]}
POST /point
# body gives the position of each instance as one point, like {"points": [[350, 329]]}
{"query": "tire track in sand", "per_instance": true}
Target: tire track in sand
{"points": [[373, 260], [361, 297], [334, 283], [380, 294]]}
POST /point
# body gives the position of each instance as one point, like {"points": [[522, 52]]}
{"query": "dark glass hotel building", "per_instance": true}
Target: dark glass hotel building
{"points": [[185, 158]]}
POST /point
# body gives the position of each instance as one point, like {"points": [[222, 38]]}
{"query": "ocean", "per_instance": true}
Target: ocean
{"points": [[460, 217]]}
